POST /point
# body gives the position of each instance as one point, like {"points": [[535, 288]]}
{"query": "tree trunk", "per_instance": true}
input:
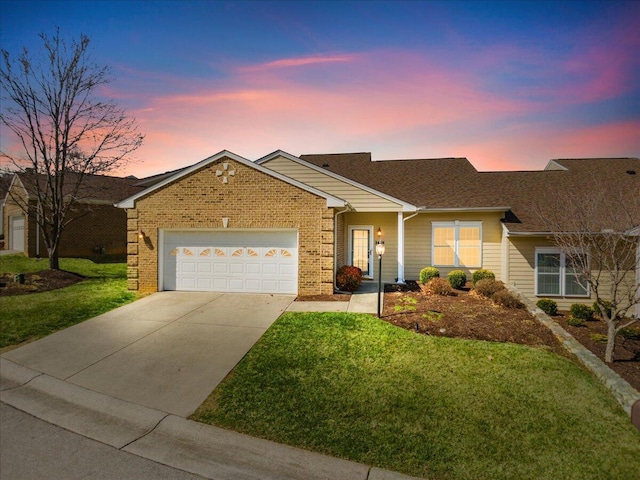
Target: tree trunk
{"points": [[54, 262], [611, 342]]}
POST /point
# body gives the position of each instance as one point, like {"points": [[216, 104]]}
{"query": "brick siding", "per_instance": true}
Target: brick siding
{"points": [[250, 200]]}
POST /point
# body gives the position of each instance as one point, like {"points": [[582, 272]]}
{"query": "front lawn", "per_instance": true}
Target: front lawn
{"points": [[356, 387], [35, 315]]}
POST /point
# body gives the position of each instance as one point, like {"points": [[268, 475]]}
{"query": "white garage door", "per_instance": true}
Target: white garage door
{"points": [[17, 233], [256, 261]]}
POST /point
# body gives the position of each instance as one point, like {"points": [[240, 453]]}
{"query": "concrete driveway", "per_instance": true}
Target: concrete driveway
{"points": [[167, 351]]}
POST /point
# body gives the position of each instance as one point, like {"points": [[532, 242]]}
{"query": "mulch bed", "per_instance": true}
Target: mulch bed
{"points": [[42, 281], [626, 354], [471, 316]]}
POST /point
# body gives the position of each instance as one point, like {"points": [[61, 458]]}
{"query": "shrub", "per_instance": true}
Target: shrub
{"points": [[348, 278], [488, 287], [482, 274], [581, 312], [548, 306], [457, 278], [507, 299], [607, 307], [575, 322], [630, 333], [433, 315], [439, 286], [428, 273], [406, 304]]}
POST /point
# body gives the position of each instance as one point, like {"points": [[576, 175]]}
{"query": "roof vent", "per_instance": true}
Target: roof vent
{"points": [[631, 172], [326, 165]]}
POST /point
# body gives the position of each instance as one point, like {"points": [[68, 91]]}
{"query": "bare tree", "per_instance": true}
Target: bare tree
{"points": [[597, 233], [65, 130]]}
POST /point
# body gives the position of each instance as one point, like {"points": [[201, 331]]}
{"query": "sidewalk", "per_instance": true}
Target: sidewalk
{"points": [[365, 300]]}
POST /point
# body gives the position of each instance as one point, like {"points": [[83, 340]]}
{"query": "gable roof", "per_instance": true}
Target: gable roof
{"points": [[526, 197], [564, 189], [280, 153], [429, 184], [178, 174]]}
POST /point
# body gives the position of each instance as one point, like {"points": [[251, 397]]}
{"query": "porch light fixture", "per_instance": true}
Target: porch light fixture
{"points": [[380, 252], [141, 235], [225, 222]]}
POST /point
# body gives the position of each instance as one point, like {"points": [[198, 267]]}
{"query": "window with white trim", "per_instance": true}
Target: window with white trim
{"points": [[557, 276], [456, 244]]}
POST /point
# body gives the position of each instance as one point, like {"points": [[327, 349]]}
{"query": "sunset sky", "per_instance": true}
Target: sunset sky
{"points": [[509, 85]]}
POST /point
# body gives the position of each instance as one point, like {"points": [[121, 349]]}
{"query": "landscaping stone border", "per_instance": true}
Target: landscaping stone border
{"points": [[627, 396]]}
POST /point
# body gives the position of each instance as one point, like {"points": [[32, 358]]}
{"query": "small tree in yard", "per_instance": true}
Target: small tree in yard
{"points": [[65, 132], [597, 236]]}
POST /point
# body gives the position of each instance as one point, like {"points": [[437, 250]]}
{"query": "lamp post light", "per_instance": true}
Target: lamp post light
{"points": [[380, 251]]}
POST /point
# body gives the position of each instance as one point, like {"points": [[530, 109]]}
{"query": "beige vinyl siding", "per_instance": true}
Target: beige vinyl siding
{"points": [[388, 223], [522, 271], [418, 241], [358, 198]]}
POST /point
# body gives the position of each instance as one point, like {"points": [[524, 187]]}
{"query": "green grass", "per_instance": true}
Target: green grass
{"points": [[355, 387], [35, 315]]}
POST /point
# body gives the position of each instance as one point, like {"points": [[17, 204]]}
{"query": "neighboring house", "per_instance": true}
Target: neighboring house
{"points": [[5, 181], [97, 227], [285, 223]]}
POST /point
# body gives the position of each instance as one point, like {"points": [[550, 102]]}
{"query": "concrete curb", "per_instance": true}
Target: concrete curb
{"points": [[625, 394], [87, 413], [218, 453]]}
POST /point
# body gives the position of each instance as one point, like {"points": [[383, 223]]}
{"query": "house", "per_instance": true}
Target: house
{"points": [[96, 227], [284, 224]]}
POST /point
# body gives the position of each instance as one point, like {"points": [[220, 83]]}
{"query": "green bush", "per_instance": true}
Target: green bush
{"points": [[507, 299], [457, 278], [428, 273], [607, 307], [581, 312], [406, 304], [482, 274], [488, 287], [630, 333], [439, 286], [548, 306], [575, 322], [349, 278]]}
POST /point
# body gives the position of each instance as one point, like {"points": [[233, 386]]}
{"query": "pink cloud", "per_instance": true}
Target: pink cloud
{"points": [[394, 104], [298, 62]]}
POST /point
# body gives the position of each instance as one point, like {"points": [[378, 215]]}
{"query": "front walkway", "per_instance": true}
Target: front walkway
{"points": [[364, 300]]}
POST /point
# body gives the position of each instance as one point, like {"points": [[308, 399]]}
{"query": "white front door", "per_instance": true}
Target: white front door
{"points": [[17, 233], [361, 248]]}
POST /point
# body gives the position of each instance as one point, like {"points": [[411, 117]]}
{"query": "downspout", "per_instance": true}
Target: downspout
{"points": [[401, 242], [347, 208]]}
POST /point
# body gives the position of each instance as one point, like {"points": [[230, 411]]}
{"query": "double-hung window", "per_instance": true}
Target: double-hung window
{"points": [[558, 275], [456, 244]]}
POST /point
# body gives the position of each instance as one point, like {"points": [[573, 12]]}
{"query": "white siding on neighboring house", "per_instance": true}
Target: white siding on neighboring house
{"points": [[358, 198]]}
